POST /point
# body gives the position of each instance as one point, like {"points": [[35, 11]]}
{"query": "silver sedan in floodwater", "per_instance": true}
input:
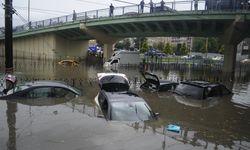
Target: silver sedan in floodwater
{"points": [[41, 89]]}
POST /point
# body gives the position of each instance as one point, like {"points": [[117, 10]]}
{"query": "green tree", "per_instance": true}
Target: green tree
{"points": [[139, 41], [183, 49], [119, 45], [168, 48], [126, 44], [144, 47], [160, 46], [213, 45], [221, 49]]}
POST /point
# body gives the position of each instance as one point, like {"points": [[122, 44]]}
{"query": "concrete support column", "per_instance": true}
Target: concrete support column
{"points": [[103, 37], [232, 36], [108, 50], [229, 58]]}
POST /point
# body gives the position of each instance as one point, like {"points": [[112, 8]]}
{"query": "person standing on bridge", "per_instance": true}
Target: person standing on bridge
{"points": [[111, 10], [162, 5], [74, 15], [142, 5], [196, 5], [151, 4]]}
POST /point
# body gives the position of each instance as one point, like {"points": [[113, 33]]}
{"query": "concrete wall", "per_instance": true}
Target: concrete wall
{"points": [[46, 46], [70, 49]]}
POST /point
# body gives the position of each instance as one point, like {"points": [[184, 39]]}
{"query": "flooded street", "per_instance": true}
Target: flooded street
{"points": [[222, 123]]}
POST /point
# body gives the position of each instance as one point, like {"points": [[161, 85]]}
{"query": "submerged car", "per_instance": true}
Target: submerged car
{"points": [[152, 82], [68, 62], [116, 101], [41, 89], [201, 89]]}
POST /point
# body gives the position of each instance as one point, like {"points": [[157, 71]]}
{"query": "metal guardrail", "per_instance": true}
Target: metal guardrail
{"points": [[132, 10]]}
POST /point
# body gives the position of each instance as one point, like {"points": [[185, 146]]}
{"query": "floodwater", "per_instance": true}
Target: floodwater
{"points": [[222, 123]]}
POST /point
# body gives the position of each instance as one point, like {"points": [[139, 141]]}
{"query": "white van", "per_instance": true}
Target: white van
{"points": [[123, 57]]}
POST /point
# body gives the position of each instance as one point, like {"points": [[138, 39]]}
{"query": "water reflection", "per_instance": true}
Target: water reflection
{"points": [[11, 120], [203, 104], [218, 124]]}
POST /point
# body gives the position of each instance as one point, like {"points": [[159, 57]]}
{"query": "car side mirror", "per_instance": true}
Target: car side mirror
{"points": [[156, 115]]}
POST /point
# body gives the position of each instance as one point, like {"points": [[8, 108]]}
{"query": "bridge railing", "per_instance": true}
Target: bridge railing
{"points": [[132, 10]]}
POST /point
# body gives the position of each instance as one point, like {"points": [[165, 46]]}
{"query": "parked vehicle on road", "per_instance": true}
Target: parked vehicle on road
{"points": [[123, 57], [154, 52]]}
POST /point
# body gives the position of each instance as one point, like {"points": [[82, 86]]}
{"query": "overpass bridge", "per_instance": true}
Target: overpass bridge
{"points": [[69, 35]]}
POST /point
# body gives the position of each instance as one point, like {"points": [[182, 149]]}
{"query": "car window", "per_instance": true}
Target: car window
{"points": [[190, 90], [61, 92], [104, 107], [136, 111], [224, 90], [20, 88], [215, 91], [40, 92]]}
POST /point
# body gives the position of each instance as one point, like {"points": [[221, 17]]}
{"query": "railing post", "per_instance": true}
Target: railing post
{"points": [[66, 18], [43, 23], [96, 13], [123, 10], [191, 5], [57, 20], [85, 15], [138, 9]]}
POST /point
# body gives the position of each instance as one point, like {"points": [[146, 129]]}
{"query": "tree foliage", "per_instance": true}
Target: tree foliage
{"points": [[168, 48], [139, 41], [213, 45], [183, 49], [160, 46], [144, 47]]}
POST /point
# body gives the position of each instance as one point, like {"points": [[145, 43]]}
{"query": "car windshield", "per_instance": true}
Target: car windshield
{"points": [[136, 111], [20, 88], [190, 90]]}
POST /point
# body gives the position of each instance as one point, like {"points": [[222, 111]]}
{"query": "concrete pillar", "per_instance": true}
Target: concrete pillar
{"points": [[67, 49], [108, 50], [103, 37], [229, 58], [232, 36]]}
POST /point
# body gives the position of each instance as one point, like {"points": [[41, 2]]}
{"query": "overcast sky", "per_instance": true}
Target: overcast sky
{"points": [[44, 9]]}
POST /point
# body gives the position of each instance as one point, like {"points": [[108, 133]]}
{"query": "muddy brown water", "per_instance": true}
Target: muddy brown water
{"points": [[222, 123]]}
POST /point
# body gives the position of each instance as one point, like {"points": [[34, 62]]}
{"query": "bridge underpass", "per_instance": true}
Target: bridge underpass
{"points": [[70, 38]]}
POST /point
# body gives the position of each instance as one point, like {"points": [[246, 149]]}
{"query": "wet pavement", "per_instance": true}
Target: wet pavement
{"points": [[222, 123]]}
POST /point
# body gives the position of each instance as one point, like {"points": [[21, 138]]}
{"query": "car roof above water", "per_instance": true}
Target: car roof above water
{"points": [[51, 84], [202, 84], [123, 97]]}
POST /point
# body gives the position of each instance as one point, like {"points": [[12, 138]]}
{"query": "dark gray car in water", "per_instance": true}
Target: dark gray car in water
{"points": [[201, 89], [41, 89]]}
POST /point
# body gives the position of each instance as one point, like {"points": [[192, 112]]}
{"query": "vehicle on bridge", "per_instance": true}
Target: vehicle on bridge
{"points": [[117, 103], [201, 90]]}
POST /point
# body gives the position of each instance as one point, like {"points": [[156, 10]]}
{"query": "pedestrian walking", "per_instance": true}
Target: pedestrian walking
{"points": [[162, 5], [151, 4], [111, 10], [195, 5], [74, 15], [142, 5]]}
